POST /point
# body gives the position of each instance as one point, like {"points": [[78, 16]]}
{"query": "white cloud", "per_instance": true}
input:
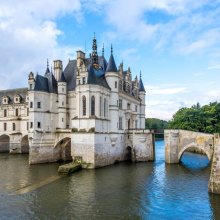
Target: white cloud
{"points": [[164, 90], [214, 67], [28, 36], [164, 100]]}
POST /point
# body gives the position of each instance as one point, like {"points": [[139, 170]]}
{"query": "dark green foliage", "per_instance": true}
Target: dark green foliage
{"points": [[198, 118], [155, 123]]}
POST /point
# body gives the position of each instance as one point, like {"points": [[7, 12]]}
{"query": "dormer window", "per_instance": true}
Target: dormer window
{"points": [[17, 99], [5, 100]]}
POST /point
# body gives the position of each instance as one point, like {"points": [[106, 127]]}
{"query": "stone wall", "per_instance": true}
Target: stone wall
{"points": [[214, 182]]}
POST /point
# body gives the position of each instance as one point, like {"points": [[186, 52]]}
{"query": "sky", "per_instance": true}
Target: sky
{"points": [[174, 43]]}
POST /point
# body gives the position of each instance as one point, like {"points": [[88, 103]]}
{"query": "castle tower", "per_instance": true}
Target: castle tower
{"points": [[62, 96], [31, 81], [112, 78], [58, 68], [142, 94]]}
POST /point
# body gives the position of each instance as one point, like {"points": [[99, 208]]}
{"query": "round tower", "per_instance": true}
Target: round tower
{"points": [[112, 77], [142, 94], [62, 96]]}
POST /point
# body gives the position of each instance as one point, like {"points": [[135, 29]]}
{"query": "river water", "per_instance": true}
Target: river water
{"points": [[151, 190]]}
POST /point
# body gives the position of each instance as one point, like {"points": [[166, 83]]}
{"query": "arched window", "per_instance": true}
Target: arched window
{"points": [[93, 105], [104, 107], [84, 105], [100, 107]]}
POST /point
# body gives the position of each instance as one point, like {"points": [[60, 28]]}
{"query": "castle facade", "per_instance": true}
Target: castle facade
{"points": [[90, 111]]}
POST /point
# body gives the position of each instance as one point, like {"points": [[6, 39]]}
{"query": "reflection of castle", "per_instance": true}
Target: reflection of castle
{"points": [[85, 109]]}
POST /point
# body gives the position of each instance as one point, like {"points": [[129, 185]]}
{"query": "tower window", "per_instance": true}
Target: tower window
{"points": [[120, 103], [84, 105], [5, 113], [38, 104], [16, 112], [5, 126], [104, 107], [93, 105], [13, 126], [120, 123], [38, 124], [128, 106], [100, 106]]}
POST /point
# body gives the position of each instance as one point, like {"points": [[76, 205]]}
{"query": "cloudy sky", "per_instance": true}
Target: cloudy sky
{"points": [[174, 43]]}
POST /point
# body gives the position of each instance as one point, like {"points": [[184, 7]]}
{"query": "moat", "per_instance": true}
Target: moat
{"points": [[150, 190]]}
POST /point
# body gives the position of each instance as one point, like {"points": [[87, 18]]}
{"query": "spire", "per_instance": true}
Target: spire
{"points": [[103, 50], [111, 63], [94, 53], [47, 69], [141, 85]]}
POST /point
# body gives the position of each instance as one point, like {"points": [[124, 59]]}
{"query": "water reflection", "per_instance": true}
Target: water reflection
{"points": [[124, 191]]}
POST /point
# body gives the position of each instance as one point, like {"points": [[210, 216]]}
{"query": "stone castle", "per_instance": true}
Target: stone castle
{"points": [[90, 111]]}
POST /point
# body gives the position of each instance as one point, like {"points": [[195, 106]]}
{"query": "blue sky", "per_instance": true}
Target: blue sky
{"points": [[174, 43]]}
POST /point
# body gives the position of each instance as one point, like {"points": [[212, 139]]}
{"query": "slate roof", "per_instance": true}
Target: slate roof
{"points": [[62, 78], [97, 77], [111, 65], [70, 75], [10, 93], [52, 83], [41, 84], [141, 86]]}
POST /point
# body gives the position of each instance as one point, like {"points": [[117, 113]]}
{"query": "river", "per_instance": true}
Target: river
{"points": [[150, 190]]}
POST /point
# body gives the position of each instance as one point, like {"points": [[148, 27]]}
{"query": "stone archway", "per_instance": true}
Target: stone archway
{"points": [[4, 143], [25, 145], [198, 148], [62, 150], [128, 154]]}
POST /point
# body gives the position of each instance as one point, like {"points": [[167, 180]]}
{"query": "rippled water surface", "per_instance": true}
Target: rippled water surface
{"points": [[124, 191]]}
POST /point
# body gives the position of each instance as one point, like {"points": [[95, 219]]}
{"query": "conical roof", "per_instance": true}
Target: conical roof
{"points": [[111, 67]]}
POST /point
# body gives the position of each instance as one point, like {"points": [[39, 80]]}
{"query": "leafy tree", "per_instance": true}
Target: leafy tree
{"points": [[198, 118]]}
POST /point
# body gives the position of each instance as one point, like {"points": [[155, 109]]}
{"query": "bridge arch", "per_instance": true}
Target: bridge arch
{"points": [[194, 146], [25, 145], [4, 143], [62, 149]]}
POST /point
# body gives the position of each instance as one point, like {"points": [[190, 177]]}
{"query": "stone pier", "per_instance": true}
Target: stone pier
{"points": [[214, 182]]}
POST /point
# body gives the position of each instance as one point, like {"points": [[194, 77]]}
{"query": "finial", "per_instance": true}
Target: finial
{"points": [[47, 63], [103, 50], [111, 49]]}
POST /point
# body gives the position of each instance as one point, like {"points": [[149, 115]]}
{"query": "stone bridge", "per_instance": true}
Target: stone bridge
{"points": [[179, 141]]}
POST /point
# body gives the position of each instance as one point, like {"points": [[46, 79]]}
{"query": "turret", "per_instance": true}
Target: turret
{"points": [[112, 78], [31, 81], [142, 94], [58, 68], [62, 96]]}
